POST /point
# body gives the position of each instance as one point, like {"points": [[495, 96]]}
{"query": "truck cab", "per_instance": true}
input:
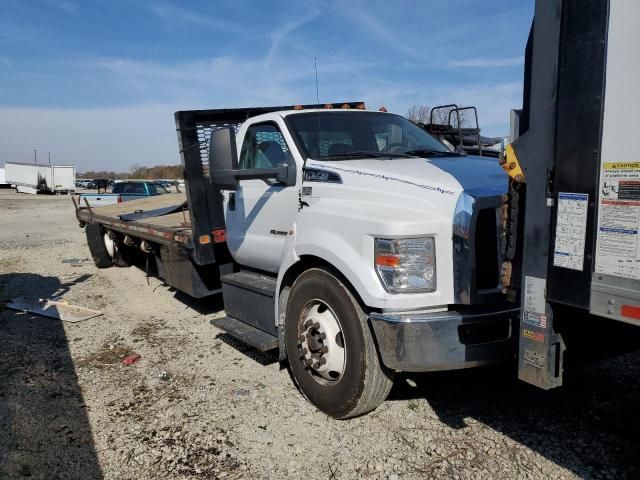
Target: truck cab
{"points": [[378, 248]]}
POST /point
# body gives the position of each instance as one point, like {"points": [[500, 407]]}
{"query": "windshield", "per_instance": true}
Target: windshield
{"points": [[341, 135]]}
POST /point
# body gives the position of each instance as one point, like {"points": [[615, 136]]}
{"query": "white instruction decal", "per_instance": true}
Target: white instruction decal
{"points": [[571, 226], [533, 358], [618, 240], [535, 302]]}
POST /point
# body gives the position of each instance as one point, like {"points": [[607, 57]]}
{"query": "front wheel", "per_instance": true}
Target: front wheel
{"points": [[332, 355]]}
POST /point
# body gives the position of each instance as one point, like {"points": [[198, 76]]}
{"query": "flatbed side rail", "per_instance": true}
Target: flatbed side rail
{"points": [[154, 233]]}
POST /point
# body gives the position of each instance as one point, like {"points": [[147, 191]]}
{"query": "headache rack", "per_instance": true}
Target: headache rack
{"points": [[454, 125]]}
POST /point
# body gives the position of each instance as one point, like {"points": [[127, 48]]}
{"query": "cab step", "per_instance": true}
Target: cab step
{"points": [[247, 333], [250, 298]]}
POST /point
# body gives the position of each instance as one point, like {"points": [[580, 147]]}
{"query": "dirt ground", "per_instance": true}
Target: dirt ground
{"points": [[200, 405]]}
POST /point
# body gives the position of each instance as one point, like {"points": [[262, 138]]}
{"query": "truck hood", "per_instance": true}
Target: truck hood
{"points": [[447, 176]]}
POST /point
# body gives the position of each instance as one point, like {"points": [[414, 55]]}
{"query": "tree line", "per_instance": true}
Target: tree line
{"points": [[137, 171]]}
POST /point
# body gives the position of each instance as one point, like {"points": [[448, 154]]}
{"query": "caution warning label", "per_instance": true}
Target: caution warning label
{"points": [[619, 220]]}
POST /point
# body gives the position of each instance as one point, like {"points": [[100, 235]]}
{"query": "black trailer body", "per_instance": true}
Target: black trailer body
{"points": [[579, 197]]}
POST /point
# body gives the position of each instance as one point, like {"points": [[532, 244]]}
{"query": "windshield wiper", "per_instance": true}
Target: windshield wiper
{"points": [[433, 153], [365, 154]]}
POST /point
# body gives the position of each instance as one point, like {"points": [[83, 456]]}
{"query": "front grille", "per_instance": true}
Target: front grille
{"points": [[486, 249], [476, 249]]}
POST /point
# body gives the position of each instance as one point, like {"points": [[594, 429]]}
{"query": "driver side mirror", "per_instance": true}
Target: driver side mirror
{"points": [[223, 158], [223, 163]]}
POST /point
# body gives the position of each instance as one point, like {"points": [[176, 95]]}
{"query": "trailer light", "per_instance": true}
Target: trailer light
{"points": [[204, 239], [298, 107], [219, 235], [406, 265], [345, 106], [328, 106], [630, 311]]}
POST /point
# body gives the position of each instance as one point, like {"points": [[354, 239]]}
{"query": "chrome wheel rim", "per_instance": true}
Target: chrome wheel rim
{"points": [[110, 245], [321, 342]]}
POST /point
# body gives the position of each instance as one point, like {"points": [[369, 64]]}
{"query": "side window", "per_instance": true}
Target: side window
{"points": [[264, 147], [152, 189]]}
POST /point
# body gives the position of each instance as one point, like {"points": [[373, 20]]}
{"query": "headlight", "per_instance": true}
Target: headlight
{"points": [[406, 265]]}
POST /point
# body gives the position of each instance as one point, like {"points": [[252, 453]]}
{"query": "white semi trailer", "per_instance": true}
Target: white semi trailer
{"points": [[3, 182], [34, 178]]}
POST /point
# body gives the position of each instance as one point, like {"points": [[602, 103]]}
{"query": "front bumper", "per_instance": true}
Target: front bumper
{"points": [[423, 342]]}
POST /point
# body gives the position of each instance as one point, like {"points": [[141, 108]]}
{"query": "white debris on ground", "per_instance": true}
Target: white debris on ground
{"points": [[197, 404]]}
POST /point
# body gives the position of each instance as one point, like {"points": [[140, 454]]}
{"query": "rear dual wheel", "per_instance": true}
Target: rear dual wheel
{"points": [[332, 355], [105, 248]]}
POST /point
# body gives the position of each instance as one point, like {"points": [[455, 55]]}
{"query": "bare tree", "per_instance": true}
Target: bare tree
{"points": [[418, 114]]}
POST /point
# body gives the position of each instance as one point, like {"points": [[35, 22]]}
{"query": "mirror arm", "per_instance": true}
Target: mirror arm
{"points": [[279, 173], [229, 179]]}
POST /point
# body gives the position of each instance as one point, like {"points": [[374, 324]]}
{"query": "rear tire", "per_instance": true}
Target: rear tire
{"points": [[326, 327], [95, 239], [106, 251]]}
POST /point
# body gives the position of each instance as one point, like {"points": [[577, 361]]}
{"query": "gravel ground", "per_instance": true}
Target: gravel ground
{"points": [[200, 405]]}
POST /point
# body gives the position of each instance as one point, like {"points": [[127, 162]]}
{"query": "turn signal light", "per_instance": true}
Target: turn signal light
{"points": [[385, 260]]}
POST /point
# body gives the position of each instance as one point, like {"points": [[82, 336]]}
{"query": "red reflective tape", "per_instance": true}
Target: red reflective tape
{"points": [[630, 312], [219, 236]]}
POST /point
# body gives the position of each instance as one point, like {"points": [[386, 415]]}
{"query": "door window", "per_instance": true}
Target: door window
{"points": [[264, 147]]}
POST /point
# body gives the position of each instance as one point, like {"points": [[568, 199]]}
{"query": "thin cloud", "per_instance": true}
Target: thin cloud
{"points": [[278, 35], [483, 62], [178, 17], [68, 7]]}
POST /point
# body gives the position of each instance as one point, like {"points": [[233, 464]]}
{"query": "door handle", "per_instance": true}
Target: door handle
{"points": [[232, 200]]}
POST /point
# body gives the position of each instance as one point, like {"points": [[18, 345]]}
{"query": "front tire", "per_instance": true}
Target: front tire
{"points": [[332, 355]]}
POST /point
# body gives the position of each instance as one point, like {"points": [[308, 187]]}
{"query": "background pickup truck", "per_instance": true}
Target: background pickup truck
{"points": [[122, 192]]}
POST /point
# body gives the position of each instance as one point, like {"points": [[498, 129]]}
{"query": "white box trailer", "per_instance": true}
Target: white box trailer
{"points": [[34, 178], [3, 182]]}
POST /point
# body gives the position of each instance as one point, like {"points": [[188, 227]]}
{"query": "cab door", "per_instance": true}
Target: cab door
{"points": [[260, 214]]}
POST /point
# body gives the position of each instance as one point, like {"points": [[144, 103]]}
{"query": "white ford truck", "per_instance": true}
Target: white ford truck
{"points": [[352, 241]]}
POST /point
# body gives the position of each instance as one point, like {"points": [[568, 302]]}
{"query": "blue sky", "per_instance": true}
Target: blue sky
{"points": [[96, 82]]}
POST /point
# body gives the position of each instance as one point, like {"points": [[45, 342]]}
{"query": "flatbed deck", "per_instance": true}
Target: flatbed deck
{"points": [[166, 229]]}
